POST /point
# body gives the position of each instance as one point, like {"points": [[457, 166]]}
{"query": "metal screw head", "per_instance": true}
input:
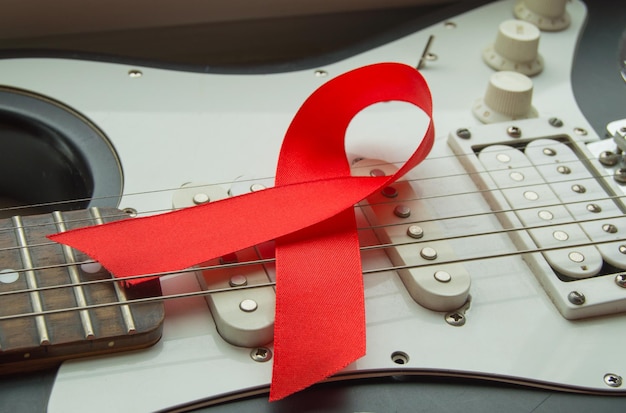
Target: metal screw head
{"points": [[514, 132], [320, 73], [556, 122], [135, 73], [261, 354], [613, 380], [576, 298], [580, 131], [455, 319], [620, 176], [608, 158], [131, 212], [620, 279], [463, 133]]}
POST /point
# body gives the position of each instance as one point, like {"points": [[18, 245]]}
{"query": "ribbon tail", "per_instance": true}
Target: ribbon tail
{"points": [[320, 315]]}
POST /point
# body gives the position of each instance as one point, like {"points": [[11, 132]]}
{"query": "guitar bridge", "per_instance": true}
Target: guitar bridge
{"points": [[563, 214]]}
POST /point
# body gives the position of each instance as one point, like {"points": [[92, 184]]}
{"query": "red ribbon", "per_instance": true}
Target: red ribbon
{"points": [[320, 318]]}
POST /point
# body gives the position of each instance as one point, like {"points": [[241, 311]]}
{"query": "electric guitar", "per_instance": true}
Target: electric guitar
{"points": [[500, 257]]}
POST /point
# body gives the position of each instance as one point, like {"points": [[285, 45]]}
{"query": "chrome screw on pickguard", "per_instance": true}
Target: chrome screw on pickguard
{"points": [[620, 279], [613, 380], [463, 133], [261, 354], [620, 176], [134, 74], [320, 73], [576, 298], [514, 132], [580, 131], [131, 212], [556, 122], [455, 319], [608, 158]]}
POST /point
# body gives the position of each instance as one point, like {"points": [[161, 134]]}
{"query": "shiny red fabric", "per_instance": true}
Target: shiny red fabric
{"points": [[320, 318]]}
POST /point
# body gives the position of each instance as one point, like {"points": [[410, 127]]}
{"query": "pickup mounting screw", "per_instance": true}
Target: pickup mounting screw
{"points": [[620, 279], [608, 158], [455, 319], [463, 133], [261, 354], [514, 132], [576, 298], [620, 176]]}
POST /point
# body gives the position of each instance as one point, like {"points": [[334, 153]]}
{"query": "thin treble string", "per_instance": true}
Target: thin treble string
{"points": [[237, 265], [413, 180], [271, 283], [394, 201], [138, 193], [370, 227]]}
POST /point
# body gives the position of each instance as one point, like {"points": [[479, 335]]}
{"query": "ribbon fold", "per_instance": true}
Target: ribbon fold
{"points": [[320, 317]]}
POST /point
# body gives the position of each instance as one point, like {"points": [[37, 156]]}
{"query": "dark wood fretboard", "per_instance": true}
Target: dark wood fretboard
{"points": [[55, 304]]}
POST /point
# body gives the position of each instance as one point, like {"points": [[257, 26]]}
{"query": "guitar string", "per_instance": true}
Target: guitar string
{"points": [[458, 217], [378, 246], [271, 283], [228, 183], [394, 201], [391, 201], [415, 180]]}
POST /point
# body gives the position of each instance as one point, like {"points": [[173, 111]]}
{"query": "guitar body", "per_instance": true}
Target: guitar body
{"points": [[168, 128]]}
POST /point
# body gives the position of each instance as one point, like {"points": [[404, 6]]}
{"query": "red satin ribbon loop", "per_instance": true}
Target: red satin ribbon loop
{"points": [[320, 322]]}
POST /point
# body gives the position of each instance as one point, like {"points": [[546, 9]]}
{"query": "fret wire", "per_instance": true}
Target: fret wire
{"points": [[31, 280], [79, 293], [272, 284], [127, 315]]}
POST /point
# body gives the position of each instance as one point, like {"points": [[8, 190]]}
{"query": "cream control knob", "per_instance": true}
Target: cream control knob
{"points": [[548, 15], [508, 97], [515, 48]]}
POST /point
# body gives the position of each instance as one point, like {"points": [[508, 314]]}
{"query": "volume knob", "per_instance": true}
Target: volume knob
{"points": [[508, 97], [515, 49], [548, 15]]}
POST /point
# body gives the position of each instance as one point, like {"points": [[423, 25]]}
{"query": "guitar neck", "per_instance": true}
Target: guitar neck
{"points": [[57, 304]]}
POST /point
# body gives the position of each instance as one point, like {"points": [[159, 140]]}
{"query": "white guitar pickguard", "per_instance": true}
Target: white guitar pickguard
{"points": [[172, 127]]}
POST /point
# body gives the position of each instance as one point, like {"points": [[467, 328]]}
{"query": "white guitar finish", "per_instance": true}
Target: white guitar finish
{"points": [[170, 128]]}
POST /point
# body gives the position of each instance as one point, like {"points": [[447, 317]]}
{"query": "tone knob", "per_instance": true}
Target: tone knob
{"points": [[508, 97], [515, 49], [548, 15]]}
